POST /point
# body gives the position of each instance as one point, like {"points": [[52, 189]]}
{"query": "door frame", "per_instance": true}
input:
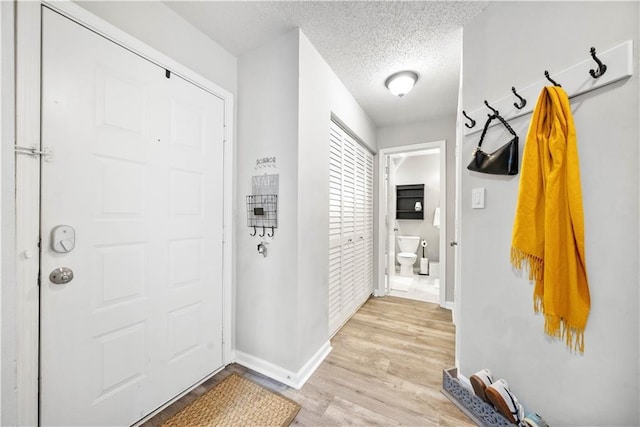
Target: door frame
{"points": [[28, 101], [383, 153]]}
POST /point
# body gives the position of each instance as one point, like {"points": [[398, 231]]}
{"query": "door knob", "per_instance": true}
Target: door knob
{"points": [[453, 243], [61, 276]]}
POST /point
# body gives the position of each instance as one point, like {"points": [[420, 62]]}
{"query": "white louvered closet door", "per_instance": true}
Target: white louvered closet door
{"points": [[368, 223], [350, 226], [335, 224], [348, 222], [359, 277]]}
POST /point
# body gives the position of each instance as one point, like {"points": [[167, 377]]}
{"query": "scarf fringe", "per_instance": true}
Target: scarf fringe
{"points": [[538, 305], [534, 264], [557, 327]]}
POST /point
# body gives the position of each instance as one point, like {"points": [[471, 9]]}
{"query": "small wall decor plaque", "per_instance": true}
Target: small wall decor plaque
{"points": [[266, 162], [265, 184]]}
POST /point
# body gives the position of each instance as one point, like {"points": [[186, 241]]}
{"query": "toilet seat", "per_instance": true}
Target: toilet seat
{"points": [[407, 255]]}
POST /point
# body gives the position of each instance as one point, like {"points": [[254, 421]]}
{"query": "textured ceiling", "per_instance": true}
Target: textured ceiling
{"points": [[362, 41]]}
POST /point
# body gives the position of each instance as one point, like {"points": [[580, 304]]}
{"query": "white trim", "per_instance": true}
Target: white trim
{"points": [[7, 214], [379, 290], [449, 305], [443, 224], [28, 18], [28, 192], [457, 235], [292, 379], [98, 25]]}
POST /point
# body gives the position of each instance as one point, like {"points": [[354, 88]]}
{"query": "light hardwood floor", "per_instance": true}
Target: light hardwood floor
{"points": [[385, 369]]}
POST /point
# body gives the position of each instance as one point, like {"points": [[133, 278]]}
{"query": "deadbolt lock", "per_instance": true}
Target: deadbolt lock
{"points": [[63, 239]]}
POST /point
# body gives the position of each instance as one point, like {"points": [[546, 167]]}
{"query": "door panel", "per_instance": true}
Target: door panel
{"points": [[350, 226], [137, 172]]}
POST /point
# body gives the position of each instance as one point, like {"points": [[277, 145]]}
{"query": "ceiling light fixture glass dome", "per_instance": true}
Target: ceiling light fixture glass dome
{"points": [[401, 83]]}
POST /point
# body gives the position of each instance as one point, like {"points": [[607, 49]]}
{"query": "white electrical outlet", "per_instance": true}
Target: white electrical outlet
{"points": [[477, 198]]}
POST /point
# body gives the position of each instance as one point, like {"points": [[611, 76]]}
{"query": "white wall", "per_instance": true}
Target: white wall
{"points": [[433, 130], [161, 28], [424, 169], [286, 96], [321, 94], [266, 288], [7, 219], [511, 44]]}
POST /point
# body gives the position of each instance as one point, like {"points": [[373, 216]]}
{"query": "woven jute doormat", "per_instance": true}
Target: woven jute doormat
{"points": [[237, 401]]}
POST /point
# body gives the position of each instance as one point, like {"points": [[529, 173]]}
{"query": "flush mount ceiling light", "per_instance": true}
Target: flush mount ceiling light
{"points": [[401, 83]]}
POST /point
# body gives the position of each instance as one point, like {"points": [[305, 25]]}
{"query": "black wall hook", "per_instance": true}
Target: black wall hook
{"points": [[254, 231], [262, 235], [546, 74], [272, 232], [523, 101], [491, 108], [473, 122], [602, 68]]}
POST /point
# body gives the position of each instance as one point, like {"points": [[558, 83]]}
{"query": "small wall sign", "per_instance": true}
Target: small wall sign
{"points": [[265, 184], [266, 162]]}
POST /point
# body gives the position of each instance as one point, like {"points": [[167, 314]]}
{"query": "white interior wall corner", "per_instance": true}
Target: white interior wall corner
{"points": [[266, 287], [322, 95], [506, 336]]}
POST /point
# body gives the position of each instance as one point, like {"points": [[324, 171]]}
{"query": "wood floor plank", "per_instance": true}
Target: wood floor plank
{"points": [[385, 369]]}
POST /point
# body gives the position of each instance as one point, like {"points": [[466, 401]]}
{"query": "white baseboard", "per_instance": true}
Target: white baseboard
{"points": [[449, 305], [290, 378]]}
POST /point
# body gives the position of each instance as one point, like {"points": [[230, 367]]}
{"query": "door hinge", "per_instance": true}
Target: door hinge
{"points": [[32, 150]]}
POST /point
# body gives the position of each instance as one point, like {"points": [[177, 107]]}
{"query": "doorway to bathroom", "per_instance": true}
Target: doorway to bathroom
{"points": [[412, 238]]}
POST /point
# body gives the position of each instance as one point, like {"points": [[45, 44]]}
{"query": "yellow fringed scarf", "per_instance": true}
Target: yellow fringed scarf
{"points": [[548, 231]]}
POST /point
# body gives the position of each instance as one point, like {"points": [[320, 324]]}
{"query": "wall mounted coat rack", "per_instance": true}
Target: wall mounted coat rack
{"points": [[576, 80]]}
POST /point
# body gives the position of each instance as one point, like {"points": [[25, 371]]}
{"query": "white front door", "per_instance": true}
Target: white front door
{"points": [[136, 172]]}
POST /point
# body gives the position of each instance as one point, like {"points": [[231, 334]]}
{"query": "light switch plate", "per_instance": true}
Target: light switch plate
{"points": [[477, 198]]}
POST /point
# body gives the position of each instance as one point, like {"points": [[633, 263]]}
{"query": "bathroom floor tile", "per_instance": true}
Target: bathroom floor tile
{"points": [[420, 288]]}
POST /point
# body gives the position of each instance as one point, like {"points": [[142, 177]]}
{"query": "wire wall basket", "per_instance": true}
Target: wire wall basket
{"points": [[262, 212]]}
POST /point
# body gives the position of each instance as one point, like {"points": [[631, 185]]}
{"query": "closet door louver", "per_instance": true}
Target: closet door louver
{"points": [[335, 224], [350, 226], [368, 222], [360, 284]]}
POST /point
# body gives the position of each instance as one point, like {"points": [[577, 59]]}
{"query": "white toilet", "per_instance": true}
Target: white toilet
{"points": [[407, 256]]}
